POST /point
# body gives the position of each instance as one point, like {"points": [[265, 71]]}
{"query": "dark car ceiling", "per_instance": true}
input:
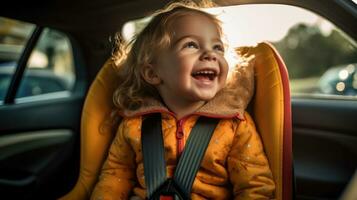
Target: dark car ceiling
{"points": [[109, 15], [79, 15]]}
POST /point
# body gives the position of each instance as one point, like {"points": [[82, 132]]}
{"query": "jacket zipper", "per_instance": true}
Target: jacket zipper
{"points": [[180, 137]]}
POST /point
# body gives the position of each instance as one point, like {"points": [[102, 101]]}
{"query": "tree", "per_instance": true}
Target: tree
{"points": [[307, 52]]}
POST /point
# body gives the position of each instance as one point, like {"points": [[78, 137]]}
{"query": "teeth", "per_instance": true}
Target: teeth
{"points": [[205, 72]]}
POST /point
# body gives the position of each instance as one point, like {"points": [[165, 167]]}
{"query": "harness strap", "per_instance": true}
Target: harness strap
{"points": [[193, 153], [190, 160], [153, 153]]}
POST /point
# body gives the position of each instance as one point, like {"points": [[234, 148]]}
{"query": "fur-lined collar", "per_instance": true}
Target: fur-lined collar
{"points": [[230, 102]]}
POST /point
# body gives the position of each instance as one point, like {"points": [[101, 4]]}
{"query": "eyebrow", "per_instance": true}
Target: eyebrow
{"points": [[196, 37]]}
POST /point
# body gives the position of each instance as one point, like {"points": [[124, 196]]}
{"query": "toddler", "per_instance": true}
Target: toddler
{"points": [[176, 66]]}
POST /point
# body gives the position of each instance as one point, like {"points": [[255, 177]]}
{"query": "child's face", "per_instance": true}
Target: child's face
{"points": [[194, 68]]}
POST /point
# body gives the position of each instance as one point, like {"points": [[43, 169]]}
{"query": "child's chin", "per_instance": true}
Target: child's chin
{"points": [[206, 97]]}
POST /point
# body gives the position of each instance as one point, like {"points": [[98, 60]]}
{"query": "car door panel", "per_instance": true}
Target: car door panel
{"points": [[326, 114], [38, 145], [25, 155], [63, 112], [324, 146]]}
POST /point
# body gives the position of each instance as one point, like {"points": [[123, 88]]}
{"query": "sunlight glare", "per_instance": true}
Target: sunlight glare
{"points": [[267, 23]]}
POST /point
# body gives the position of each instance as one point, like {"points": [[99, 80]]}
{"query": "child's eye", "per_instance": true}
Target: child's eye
{"points": [[191, 45], [218, 47]]}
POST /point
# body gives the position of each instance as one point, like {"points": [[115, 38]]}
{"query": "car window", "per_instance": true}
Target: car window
{"points": [[321, 59], [50, 68], [49, 71], [13, 38]]}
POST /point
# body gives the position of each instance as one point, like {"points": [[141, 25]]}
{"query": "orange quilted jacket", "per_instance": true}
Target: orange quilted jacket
{"points": [[234, 165]]}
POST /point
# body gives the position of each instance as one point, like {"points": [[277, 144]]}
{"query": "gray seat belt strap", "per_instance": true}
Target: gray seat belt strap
{"points": [[193, 153], [153, 153], [190, 160]]}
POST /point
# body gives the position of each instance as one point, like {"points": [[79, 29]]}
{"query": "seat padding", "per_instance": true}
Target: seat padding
{"points": [[272, 113]]}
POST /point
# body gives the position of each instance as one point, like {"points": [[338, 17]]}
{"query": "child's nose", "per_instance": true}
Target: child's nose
{"points": [[209, 56]]}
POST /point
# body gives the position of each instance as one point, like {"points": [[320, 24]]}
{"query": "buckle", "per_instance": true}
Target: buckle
{"points": [[166, 197]]}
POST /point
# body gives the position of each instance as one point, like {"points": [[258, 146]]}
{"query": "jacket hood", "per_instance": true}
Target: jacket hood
{"points": [[230, 101]]}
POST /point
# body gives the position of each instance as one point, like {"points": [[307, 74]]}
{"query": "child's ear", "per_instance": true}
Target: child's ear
{"points": [[150, 75]]}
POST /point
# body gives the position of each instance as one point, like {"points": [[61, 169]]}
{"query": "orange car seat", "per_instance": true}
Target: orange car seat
{"points": [[271, 110]]}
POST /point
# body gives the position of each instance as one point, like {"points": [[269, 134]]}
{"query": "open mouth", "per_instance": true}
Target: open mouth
{"points": [[205, 75]]}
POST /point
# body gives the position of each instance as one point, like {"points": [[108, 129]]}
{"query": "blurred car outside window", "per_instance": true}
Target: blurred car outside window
{"points": [[321, 59], [50, 67], [49, 72]]}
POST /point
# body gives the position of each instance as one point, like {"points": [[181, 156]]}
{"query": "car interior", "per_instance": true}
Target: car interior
{"points": [[42, 137]]}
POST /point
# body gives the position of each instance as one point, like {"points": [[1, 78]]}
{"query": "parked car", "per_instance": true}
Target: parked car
{"points": [[40, 137], [36, 82], [340, 80]]}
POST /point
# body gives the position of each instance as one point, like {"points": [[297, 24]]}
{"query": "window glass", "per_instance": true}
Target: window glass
{"points": [[321, 59], [50, 67], [13, 38]]}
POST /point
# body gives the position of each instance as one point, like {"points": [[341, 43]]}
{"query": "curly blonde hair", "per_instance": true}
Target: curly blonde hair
{"points": [[155, 37]]}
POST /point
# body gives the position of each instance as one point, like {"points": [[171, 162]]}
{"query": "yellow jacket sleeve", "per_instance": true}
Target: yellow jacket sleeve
{"points": [[248, 166], [117, 176]]}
